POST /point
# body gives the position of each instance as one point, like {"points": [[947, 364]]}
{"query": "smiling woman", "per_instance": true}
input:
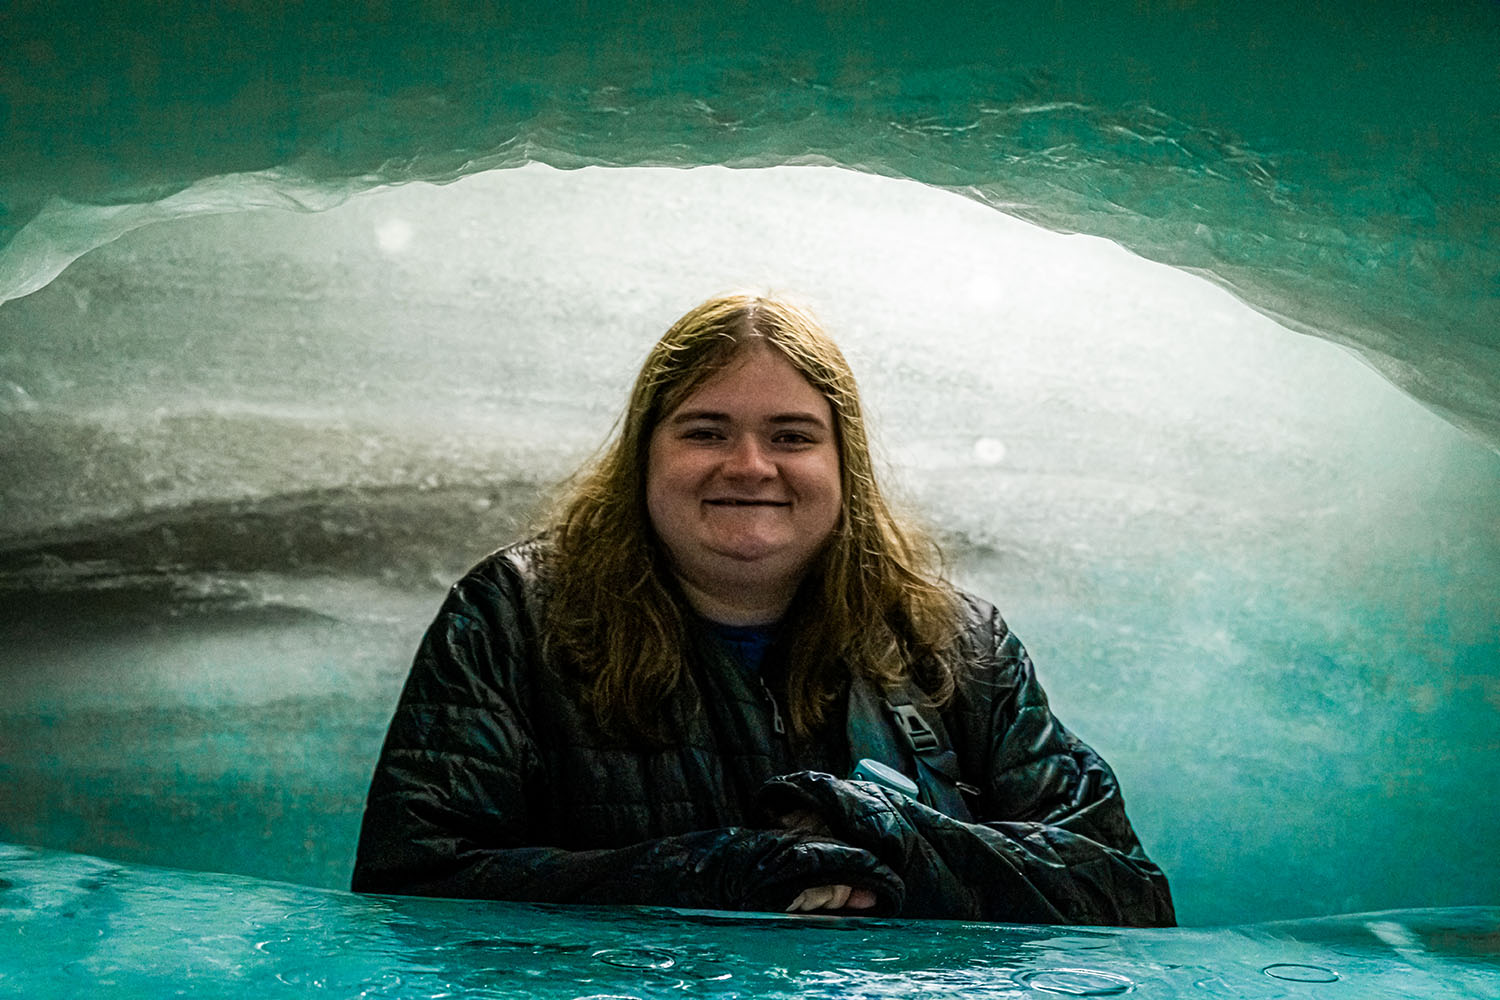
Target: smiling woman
{"points": [[855, 561], [582, 722], [742, 485]]}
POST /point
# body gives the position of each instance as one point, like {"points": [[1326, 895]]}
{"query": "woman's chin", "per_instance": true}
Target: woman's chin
{"points": [[755, 558]]}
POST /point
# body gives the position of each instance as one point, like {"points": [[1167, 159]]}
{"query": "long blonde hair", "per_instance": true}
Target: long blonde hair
{"points": [[873, 604]]}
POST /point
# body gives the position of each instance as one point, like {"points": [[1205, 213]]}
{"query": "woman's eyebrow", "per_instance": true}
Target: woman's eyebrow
{"points": [[688, 416]]}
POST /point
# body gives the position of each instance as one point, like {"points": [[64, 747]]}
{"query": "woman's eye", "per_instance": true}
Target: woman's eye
{"points": [[793, 437], [701, 434]]}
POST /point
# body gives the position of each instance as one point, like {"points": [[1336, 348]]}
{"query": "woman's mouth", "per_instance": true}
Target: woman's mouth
{"points": [[740, 502]]}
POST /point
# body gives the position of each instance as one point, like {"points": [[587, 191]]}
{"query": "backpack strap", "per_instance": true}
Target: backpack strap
{"points": [[888, 727]]}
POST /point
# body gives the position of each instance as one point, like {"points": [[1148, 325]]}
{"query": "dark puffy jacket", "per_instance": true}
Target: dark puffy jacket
{"points": [[494, 782]]}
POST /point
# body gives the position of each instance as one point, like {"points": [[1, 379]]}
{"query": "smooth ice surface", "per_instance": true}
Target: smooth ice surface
{"points": [[77, 926], [1332, 163], [255, 448], [243, 452]]}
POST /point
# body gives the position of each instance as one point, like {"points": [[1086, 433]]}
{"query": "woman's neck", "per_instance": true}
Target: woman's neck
{"points": [[736, 609]]}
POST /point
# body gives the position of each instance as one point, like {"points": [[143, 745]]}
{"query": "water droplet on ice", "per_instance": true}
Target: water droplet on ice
{"points": [[1072, 942], [1076, 982], [1294, 973], [637, 958]]}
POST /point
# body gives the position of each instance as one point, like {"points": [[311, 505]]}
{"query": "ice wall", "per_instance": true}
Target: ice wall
{"points": [[1331, 163], [254, 448]]}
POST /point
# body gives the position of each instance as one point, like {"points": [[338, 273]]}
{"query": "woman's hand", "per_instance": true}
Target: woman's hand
{"points": [[832, 897], [822, 897], [805, 821]]}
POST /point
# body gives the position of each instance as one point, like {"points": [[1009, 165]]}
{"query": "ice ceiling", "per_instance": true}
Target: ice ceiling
{"points": [[1331, 163]]}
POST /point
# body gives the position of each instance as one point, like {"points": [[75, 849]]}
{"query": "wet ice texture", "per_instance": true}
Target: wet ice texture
{"points": [[1331, 165], [72, 925]]}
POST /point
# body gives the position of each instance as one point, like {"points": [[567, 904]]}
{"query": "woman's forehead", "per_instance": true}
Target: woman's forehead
{"points": [[757, 372]]}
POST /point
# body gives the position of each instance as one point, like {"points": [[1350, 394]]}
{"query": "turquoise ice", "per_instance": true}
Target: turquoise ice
{"points": [[245, 448], [70, 923]]}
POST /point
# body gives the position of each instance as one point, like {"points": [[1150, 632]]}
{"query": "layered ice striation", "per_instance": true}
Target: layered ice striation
{"points": [[245, 450]]}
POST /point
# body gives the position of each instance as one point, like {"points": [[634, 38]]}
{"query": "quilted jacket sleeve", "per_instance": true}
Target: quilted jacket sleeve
{"points": [[1052, 843], [453, 805]]}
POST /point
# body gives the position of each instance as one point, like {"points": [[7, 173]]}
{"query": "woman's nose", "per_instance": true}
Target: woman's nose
{"points": [[748, 459]]}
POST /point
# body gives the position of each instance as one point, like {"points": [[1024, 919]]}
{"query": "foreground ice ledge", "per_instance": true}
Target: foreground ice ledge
{"points": [[72, 925]]}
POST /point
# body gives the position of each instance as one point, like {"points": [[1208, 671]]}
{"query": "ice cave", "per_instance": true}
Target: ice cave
{"points": [[1179, 322]]}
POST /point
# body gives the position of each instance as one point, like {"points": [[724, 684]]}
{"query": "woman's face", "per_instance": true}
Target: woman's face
{"points": [[742, 486]]}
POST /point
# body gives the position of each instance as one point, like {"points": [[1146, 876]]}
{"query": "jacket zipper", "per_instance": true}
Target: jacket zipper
{"points": [[776, 724]]}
